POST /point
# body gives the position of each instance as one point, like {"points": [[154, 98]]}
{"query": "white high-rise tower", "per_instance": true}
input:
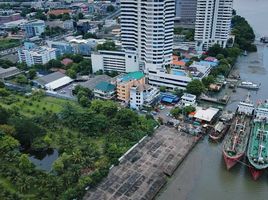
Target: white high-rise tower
{"points": [[213, 23], [147, 28]]}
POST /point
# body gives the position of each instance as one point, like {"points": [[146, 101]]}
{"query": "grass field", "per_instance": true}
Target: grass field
{"points": [[30, 106], [8, 43]]}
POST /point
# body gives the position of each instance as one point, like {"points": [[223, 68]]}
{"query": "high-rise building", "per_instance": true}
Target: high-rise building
{"points": [[213, 23], [34, 28], [147, 28], [185, 11]]}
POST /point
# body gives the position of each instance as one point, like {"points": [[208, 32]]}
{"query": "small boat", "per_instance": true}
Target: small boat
{"points": [[245, 53], [219, 131], [249, 85]]}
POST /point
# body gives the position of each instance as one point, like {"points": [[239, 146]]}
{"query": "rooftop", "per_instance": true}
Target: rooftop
{"points": [[50, 78], [92, 82], [105, 86], [59, 12], [131, 76], [206, 114]]}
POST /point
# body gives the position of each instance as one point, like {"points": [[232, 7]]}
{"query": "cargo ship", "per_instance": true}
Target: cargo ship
{"points": [[257, 153], [235, 143]]}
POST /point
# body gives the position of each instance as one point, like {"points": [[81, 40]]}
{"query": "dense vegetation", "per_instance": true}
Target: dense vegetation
{"points": [[189, 33], [8, 43], [244, 34], [88, 141]]}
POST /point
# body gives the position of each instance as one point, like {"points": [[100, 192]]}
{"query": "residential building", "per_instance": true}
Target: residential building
{"points": [[104, 90], [73, 46], [188, 99], [147, 28], [185, 11], [120, 61], [53, 81], [34, 28], [125, 82], [142, 95], [213, 23], [36, 55]]}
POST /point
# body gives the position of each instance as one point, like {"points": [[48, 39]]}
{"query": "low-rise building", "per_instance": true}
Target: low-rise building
{"points": [[73, 45], [188, 99], [125, 82], [175, 79], [120, 61], [104, 90], [53, 81], [9, 72], [92, 82], [36, 55], [142, 94]]}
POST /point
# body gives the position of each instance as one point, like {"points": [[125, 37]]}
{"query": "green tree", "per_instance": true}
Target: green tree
{"points": [[175, 112], [84, 101], [21, 79], [188, 109], [71, 73], [108, 45], [178, 92], [163, 89], [195, 87], [208, 80], [24, 162], [31, 74], [110, 8], [4, 115]]}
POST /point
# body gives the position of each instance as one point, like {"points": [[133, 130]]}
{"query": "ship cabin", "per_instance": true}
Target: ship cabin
{"points": [[262, 111], [245, 108]]}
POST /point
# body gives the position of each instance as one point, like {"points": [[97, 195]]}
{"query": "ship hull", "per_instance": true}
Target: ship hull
{"points": [[231, 161], [220, 136], [256, 173]]}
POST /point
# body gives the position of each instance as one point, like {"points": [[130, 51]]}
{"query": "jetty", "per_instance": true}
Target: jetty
{"points": [[223, 101], [144, 170]]}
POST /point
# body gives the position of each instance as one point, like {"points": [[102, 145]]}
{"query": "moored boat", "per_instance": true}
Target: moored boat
{"points": [[257, 153], [235, 143], [249, 85], [219, 131]]}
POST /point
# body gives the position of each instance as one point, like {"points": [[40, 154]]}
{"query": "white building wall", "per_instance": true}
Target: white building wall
{"points": [[147, 27], [213, 23]]}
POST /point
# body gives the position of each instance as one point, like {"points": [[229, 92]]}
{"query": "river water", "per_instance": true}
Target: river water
{"points": [[202, 175]]}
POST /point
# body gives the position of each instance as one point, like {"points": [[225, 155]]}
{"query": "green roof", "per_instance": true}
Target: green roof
{"points": [[132, 76], [105, 86]]}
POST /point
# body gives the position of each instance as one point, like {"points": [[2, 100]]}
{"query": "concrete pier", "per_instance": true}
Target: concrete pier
{"points": [[143, 171]]}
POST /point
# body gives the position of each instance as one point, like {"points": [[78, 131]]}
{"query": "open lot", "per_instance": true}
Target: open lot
{"points": [[142, 172]]}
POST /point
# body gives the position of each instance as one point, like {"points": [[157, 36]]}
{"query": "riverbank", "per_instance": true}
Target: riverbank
{"points": [[203, 174], [144, 171]]}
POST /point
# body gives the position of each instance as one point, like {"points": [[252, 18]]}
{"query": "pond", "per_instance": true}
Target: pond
{"points": [[43, 159]]}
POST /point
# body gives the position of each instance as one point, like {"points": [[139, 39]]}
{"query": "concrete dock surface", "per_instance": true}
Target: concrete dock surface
{"points": [[143, 172]]}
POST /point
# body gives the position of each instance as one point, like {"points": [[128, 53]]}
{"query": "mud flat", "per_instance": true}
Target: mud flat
{"points": [[144, 170]]}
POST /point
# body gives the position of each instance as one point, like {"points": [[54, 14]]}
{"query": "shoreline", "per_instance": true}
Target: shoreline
{"points": [[143, 172]]}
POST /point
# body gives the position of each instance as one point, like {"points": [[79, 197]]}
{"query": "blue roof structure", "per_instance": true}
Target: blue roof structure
{"points": [[105, 86], [169, 98], [212, 64]]}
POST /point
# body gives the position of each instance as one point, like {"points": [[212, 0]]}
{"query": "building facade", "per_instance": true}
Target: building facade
{"points": [[119, 61], [125, 82], [147, 28], [36, 55], [213, 23], [141, 95], [34, 28], [185, 11]]}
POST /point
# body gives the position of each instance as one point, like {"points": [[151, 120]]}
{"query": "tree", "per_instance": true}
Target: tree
{"points": [[7, 143], [71, 73], [110, 8], [65, 17], [220, 56], [162, 89], [175, 112], [24, 162], [2, 85], [195, 87], [188, 109], [31, 74], [80, 15], [7, 129], [84, 101], [208, 80], [178, 92], [21, 79], [90, 35], [108, 45], [53, 64], [40, 15], [4, 115]]}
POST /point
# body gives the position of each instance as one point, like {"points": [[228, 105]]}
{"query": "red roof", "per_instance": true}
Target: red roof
{"points": [[59, 12], [66, 61]]}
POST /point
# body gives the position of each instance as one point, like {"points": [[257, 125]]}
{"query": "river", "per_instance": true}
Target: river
{"points": [[202, 175]]}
